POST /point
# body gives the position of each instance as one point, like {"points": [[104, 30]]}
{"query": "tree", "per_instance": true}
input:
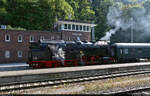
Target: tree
{"points": [[101, 8], [35, 14], [82, 9], [3, 12]]}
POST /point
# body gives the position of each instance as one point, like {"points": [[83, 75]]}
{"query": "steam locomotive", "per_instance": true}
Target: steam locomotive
{"points": [[47, 54]]}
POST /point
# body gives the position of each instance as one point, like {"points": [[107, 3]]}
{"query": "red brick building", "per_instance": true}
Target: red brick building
{"points": [[14, 43]]}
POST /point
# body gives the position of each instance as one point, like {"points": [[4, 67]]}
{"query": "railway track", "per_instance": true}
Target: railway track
{"points": [[131, 92], [34, 84]]}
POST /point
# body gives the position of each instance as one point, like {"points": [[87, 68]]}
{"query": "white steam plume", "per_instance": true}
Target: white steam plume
{"points": [[137, 18]]}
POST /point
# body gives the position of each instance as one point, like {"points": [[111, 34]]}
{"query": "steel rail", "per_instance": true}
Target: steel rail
{"points": [[34, 84], [127, 92]]}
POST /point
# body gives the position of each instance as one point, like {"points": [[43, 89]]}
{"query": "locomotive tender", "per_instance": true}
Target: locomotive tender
{"points": [[47, 54]]}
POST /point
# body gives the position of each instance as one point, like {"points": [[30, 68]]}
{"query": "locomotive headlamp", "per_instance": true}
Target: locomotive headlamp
{"points": [[81, 52]]}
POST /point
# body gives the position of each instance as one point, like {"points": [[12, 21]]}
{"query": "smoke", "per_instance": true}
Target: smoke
{"points": [[113, 20], [108, 34], [136, 18]]}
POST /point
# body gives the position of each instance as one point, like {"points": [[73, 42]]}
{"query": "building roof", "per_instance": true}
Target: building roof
{"points": [[77, 22]]}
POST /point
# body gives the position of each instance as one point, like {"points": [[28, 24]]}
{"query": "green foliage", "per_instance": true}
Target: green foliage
{"points": [[2, 3], [82, 10], [14, 28], [63, 9], [34, 14]]}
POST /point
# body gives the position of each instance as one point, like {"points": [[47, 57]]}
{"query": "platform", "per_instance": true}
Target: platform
{"points": [[68, 72], [13, 66]]}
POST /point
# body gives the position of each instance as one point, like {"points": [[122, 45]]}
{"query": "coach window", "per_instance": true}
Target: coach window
{"points": [[121, 51], [125, 51], [31, 38], [7, 37], [19, 38], [7, 54], [19, 53], [139, 50], [65, 26]]}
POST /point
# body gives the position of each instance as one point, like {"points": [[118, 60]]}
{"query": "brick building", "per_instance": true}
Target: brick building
{"points": [[14, 43]]}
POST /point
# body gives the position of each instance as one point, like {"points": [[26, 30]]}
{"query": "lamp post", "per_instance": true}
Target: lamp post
{"points": [[93, 33], [131, 30]]}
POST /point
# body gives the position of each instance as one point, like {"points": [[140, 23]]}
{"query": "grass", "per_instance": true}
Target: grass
{"points": [[116, 83], [105, 85]]}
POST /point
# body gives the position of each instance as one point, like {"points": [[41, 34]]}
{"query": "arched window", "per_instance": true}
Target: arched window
{"points": [[7, 37], [19, 38], [19, 53], [31, 39]]}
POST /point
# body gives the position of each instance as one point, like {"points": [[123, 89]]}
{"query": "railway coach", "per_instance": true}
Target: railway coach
{"points": [[130, 52]]}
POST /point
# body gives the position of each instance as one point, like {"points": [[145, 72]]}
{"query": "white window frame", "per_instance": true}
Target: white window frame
{"points": [[62, 26], [6, 37], [19, 54], [7, 54], [69, 38], [19, 40], [41, 37], [31, 38]]}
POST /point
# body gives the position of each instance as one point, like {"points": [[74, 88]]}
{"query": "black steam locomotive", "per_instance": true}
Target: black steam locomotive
{"points": [[46, 54]]}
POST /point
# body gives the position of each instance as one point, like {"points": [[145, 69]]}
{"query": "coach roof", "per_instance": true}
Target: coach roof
{"points": [[132, 45]]}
